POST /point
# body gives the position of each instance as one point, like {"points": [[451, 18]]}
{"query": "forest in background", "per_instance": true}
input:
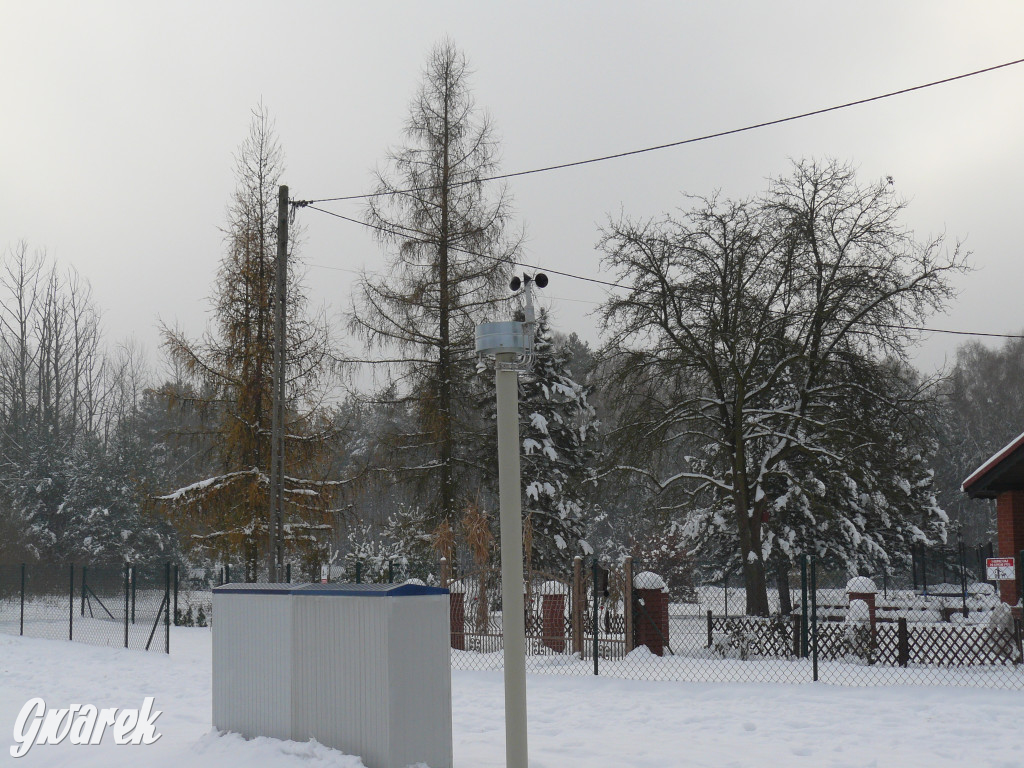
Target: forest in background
{"points": [[751, 399]]}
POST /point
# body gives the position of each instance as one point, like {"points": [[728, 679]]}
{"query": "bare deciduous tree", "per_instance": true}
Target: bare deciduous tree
{"points": [[758, 344]]}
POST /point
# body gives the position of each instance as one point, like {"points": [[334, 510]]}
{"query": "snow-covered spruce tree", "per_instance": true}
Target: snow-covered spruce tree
{"points": [[374, 556], [558, 433], [760, 328], [868, 497], [84, 504], [444, 226], [231, 370]]}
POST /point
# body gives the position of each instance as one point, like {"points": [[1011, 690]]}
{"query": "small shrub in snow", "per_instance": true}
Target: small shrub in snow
{"points": [[858, 612]]}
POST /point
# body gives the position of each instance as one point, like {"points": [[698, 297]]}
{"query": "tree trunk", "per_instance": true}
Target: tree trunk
{"points": [[754, 579], [445, 363], [748, 525], [782, 582], [757, 587]]}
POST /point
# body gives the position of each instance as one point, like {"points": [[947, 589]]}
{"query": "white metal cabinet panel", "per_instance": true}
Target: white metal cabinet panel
{"points": [[252, 654], [420, 690], [362, 668], [340, 675]]}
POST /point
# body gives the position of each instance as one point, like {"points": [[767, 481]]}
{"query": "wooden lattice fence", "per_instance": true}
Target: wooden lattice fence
{"points": [[892, 644]]}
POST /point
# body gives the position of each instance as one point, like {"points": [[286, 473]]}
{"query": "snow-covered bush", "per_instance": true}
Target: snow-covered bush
{"points": [[377, 557]]}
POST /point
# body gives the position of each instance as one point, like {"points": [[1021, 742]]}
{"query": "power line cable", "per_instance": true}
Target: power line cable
{"points": [[411, 233], [610, 284], [707, 137]]}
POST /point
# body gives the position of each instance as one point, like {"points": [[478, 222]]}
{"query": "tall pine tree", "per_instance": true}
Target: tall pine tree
{"points": [[445, 227], [231, 368]]}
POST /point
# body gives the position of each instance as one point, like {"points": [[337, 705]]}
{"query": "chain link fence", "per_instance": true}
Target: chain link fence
{"points": [[117, 605], [939, 624], [191, 587]]}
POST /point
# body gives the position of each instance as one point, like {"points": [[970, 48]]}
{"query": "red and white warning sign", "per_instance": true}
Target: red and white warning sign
{"points": [[1000, 568]]}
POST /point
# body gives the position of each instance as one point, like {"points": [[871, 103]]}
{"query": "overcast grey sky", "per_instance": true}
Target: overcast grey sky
{"points": [[118, 121]]}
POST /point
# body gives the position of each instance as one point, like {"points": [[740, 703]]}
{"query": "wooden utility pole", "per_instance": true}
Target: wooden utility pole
{"points": [[275, 527]]}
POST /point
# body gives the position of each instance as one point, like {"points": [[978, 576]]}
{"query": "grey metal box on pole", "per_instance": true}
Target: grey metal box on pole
{"points": [[364, 668]]}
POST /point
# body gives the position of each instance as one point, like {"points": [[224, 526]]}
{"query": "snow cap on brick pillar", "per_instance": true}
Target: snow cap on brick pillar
{"points": [[1002, 478]]}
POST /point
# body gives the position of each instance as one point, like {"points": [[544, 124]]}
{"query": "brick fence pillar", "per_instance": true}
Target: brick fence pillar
{"points": [[650, 612], [457, 613], [553, 619]]}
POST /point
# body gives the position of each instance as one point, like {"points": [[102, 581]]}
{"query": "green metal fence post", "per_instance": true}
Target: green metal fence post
{"points": [[1020, 575], [803, 606], [71, 603], [21, 621], [167, 607], [84, 572], [288, 573], [913, 565], [814, 617], [963, 572], [126, 598], [135, 579], [359, 572], [594, 585]]}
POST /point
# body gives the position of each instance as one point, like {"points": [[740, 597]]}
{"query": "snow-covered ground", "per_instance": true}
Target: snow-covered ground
{"points": [[574, 721]]}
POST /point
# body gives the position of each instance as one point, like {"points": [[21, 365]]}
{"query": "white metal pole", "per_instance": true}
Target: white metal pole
{"points": [[513, 620]]}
